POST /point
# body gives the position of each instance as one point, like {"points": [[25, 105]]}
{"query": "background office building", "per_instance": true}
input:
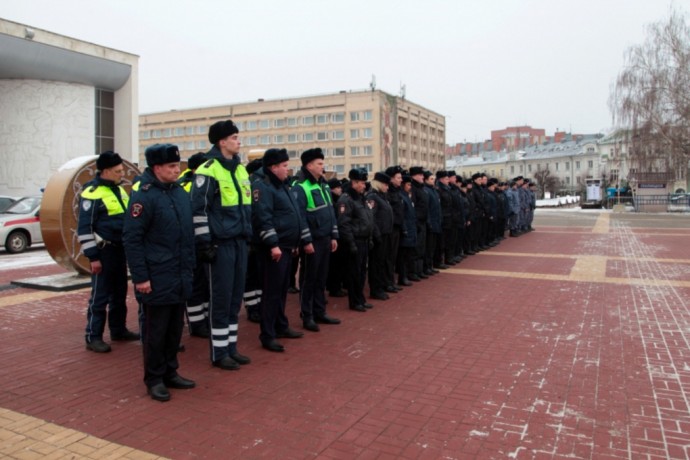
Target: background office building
{"points": [[369, 129], [61, 98]]}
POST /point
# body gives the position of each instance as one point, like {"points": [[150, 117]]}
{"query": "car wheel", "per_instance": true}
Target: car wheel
{"points": [[16, 242]]}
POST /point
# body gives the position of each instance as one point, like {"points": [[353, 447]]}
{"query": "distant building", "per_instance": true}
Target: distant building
{"points": [[62, 98], [369, 129]]}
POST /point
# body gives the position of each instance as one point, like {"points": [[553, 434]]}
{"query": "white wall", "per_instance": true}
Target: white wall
{"points": [[43, 124]]}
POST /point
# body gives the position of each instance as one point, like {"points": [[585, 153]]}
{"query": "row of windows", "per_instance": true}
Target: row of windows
{"points": [[252, 125], [278, 139], [361, 151], [590, 165]]}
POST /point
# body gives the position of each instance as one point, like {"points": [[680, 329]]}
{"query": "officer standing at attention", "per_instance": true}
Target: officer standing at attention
{"points": [[101, 217], [420, 200], [377, 199], [197, 305], [159, 242], [278, 228], [221, 206], [313, 198], [356, 227]]}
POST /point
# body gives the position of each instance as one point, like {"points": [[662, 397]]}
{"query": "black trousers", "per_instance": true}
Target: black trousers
{"points": [[420, 249], [379, 263], [406, 259], [356, 272], [161, 331], [108, 301], [431, 240], [276, 281], [336, 270], [313, 283], [449, 237], [391, 260]]}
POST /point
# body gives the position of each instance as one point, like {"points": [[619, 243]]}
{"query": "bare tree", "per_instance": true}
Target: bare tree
{"points": [[651, 98], [546, 182]]}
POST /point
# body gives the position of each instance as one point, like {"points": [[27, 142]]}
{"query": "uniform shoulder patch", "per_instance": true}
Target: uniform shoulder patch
{"points": [[371, 204], [146, 187], [342, 208], [199, 180], [86, 205], [136, 209], [257, 195]]}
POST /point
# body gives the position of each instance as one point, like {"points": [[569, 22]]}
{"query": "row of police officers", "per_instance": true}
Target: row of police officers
{"points": [[187, 238]]}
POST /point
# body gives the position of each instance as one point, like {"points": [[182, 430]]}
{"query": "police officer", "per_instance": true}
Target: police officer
{"points": [[102, 209], [433, 233], [336, 264], [445, 246], [278, 228], [395, 199], [253, 281], [221, 205], [159, 242], [420, 200], [197, 305], [356, 227], [382, 251], [313, 198], [407, 251]]}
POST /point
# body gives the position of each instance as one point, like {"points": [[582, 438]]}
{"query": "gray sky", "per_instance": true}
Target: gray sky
{"points": [[484, 64]]}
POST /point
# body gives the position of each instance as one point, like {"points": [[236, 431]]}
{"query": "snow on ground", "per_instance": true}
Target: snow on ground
{"points": [[34, 257]]}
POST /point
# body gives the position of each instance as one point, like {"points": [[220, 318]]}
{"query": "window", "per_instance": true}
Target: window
{"points": [[567, 166], [146, 134], [354, 134], [292, 154], [340, 169], [308, 121], [367, 150], [577, 166], [189, 145], [322, 136], [293, 138], [167, 132], [354, 151], [521, 168], [240, 125], [105, 120], [366, 133], [308, 137], [251, 140], [558, 166], [567, 180], [179, 131], [203, 129], [338, 135], [338, 117], [189, 130], [366, 166], [590, 163], [368, 116], [251, 125], [265, 139], [201, 144], [512, 169], [529, 168], [156, 133], [279, 123], [264, 124], [279, 139], [339, 152], [293, 121], [354, 116], [579, 180], [321, 119]]}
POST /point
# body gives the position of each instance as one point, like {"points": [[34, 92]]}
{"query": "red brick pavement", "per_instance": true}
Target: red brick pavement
{"points": [[563, 343]]}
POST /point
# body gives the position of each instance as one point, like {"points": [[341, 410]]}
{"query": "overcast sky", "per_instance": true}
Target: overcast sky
{"points": [[484, 64]]}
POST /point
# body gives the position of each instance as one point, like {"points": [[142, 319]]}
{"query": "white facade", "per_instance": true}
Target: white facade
{"points": [[50, 88]]}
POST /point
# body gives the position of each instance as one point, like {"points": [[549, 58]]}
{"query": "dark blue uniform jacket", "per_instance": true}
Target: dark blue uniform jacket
{"points": [[159, 241]]}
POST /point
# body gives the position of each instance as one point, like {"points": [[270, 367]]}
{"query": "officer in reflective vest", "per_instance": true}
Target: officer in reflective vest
{"points": [[197, 305], [221, 208], [101, 218], [314, 201]]}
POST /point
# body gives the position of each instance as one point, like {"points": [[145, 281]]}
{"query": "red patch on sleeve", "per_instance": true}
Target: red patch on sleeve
{"points": [[137, 209], [342, 209]]}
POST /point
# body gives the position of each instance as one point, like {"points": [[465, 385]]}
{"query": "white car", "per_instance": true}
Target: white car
{"points": [[20, 226]]}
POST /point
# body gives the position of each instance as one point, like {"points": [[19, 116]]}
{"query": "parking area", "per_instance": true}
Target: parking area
{"points": [[568, 342]]}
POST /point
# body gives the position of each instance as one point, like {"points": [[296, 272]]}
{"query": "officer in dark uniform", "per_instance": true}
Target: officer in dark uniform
{"points": [[221, 205], [420, 200], [159, 242], [356, 227], [434, 229], [457, 218], [336, 266], [313, 198], [197, 305], [278, 228], [381, 252], [101, 216], [445, 246], [407, 252], [395, 199], [479, 215]]}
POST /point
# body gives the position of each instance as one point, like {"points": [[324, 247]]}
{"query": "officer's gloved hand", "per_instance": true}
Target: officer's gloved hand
{"points": [[206, 253]]}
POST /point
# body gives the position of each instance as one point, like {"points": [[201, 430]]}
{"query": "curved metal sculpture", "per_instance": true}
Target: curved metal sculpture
{"points": [[60, 210]]}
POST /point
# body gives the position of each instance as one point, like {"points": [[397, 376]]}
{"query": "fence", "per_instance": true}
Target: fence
{"points": [[675, 202]]}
